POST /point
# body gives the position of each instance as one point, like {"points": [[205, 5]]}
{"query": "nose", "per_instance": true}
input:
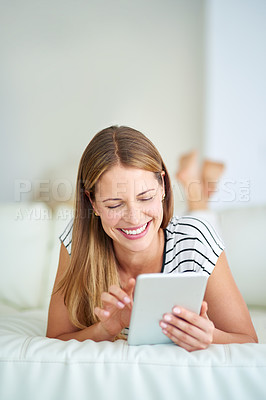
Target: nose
{"points": [[132, 214]]}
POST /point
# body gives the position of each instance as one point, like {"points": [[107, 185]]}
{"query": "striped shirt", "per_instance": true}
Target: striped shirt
{"points": [[191, 245]]}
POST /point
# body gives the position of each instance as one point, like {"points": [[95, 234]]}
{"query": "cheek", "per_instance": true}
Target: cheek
{"points": [[155, 209], [110, 217]]}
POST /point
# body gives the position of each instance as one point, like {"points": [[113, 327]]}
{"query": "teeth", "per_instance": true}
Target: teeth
{"points": [[135, 232]]}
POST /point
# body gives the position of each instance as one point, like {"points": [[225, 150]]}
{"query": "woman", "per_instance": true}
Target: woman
{"points": [[122, 227]]}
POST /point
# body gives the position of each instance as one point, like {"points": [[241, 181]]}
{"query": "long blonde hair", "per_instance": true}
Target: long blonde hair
{"points": [[93, 266]]}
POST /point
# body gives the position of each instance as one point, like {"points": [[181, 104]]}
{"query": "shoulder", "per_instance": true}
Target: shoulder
{"points": [[66, 236], [191, 245], [197, 228]]}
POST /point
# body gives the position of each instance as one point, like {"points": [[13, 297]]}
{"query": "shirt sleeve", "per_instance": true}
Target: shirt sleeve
{"points": [[212, 244], [66, 236]]}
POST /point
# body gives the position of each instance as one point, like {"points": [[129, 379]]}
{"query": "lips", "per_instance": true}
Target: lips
{"points": [[137, 232]]}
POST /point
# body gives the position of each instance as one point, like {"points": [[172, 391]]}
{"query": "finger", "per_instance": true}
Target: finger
{"points": [[185, 322], [130, 285], [184, 339], [185, 329], [204, 309], [177, 341], [109, 299], [102, 314], [191, 317], [120, 294]]}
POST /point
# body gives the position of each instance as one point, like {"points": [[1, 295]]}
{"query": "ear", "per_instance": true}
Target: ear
{"points": [[163, 175], [92, 202]]}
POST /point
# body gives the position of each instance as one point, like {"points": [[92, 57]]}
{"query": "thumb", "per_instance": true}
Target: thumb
{"points": [[204, 309], [130, 286]]}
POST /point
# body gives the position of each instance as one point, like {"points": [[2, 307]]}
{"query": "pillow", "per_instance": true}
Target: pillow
{"points": [[243, 231], [25, 233]]}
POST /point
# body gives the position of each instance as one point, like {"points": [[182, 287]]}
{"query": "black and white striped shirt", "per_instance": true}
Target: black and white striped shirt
{"points": [[191, 245]]}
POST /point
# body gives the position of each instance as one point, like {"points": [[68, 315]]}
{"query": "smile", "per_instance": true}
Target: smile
{"points": [[135, 231]]}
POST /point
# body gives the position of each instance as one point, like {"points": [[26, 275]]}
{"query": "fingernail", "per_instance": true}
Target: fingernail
{"points": [[167, 318], [177, 310], [106, 313], [120, 305], [127, 300], [163, 324]]}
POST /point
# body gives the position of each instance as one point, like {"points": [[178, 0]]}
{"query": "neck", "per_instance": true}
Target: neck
{"points": [[131, 264]]}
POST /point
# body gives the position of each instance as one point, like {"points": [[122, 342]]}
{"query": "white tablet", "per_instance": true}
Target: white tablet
{"points": [[156, 294]]}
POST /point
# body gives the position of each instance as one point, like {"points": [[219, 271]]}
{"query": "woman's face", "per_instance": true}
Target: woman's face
{"points": [[129, 203]]}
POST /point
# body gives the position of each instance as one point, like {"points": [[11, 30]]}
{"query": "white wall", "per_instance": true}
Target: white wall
{"points": [[70, 68], [235, 112]]}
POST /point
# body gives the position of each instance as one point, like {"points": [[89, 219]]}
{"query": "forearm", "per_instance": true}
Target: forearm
{"points": [[221, 337], [94, 332]]}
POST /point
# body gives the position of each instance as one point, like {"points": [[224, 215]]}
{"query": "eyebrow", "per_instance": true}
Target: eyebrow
{"points": [[140, 194]]}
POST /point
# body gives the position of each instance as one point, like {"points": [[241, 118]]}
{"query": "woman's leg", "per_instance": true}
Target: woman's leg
{"points": [[199, 184]]}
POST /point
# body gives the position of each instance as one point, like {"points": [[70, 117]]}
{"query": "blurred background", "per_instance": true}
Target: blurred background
{"points": [[190, 74]]}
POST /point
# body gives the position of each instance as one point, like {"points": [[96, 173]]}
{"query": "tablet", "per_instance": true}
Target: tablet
{"points": [[156, 294]]}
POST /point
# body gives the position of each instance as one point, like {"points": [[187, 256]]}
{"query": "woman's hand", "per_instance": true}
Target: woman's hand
{"points": [[117, 307], [187, 329]]}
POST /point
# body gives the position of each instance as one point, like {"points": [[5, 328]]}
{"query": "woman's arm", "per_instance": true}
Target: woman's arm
{"points": [[224, 316], [227, 308], [113, 318], [59, 325]]}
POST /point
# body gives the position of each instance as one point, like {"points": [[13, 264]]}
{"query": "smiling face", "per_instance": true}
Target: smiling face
{"points": [[129, 203]]}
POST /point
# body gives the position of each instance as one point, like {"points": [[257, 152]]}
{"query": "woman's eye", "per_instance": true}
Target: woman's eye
{"points": [[112, 207], [147, 198], [141, 199]]}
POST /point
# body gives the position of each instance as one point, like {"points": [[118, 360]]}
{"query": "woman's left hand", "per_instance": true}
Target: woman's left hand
{"points": [[187, 329]]}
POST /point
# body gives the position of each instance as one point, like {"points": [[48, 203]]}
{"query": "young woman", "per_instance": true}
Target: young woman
{"points": [[122, 227]]}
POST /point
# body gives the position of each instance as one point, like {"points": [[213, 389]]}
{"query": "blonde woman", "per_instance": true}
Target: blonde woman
{"points": [[123, 226]]}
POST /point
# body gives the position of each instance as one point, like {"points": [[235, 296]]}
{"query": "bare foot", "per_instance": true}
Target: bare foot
{"points": [[198, 185], [189, 176], [188, 168], [211, 173]]}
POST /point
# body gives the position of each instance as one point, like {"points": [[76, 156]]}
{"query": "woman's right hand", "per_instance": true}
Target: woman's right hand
{"points": [[117, 306]]}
